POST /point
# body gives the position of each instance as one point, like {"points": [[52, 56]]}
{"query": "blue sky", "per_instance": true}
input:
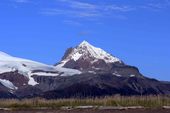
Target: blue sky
{"points": [[136, 31]]}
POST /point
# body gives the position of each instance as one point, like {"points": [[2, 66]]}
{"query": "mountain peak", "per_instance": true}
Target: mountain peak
{"points": [[85, 43], [85, 53], [89, 50]]}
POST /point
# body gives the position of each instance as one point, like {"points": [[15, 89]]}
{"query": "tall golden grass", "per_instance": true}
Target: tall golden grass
{"points": [[145, 101]]}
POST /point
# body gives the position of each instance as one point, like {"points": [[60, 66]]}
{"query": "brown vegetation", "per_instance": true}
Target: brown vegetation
{"points": [[115, 101]]}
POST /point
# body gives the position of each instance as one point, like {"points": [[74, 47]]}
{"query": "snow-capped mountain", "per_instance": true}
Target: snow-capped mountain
{"points": [[83, 71], [85, 56], [88, 51]]}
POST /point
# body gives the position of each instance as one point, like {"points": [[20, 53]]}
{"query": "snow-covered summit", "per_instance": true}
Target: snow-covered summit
{"points": [[86, 50]]}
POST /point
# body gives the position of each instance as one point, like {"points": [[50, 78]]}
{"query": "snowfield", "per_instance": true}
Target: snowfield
{"points": [[26, 67]]}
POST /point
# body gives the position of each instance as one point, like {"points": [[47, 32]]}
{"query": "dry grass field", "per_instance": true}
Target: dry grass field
{"points": [[115, 101]]}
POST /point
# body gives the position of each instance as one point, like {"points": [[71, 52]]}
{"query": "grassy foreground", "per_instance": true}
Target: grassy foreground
{"points": [[115, 101]]}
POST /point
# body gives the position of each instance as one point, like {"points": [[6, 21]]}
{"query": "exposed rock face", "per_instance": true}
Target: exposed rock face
{"points": [[84, 71], [90, 85], [17, 79]]}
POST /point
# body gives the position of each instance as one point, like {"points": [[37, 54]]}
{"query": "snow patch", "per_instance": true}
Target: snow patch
{"points": [[31, 81], [8, 84], [132, 75], [67, 71], [62, 63], [94, 61], [117, 75], [76, 56], [45, 74], [93, 72]]}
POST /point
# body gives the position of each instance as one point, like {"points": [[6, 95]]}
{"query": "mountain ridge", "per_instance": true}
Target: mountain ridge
{"points": [[84, 71]]}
